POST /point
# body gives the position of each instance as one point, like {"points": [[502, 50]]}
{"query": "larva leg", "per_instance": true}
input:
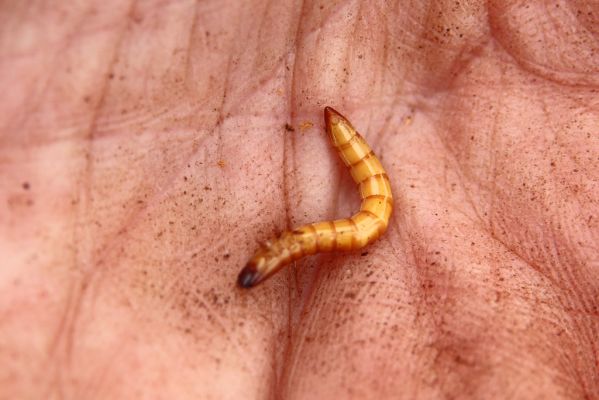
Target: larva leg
{"points": [[339, 235]]}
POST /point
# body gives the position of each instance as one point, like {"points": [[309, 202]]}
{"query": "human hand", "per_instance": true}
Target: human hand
{"points": [[147, 148]]}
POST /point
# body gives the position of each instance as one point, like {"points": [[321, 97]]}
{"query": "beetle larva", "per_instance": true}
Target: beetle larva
{"points": [[343, 234]]}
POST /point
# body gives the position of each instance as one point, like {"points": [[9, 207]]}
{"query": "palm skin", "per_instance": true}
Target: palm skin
{"points": [[147, 148]]}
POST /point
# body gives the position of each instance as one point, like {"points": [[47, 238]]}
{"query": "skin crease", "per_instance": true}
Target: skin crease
{"points": [[144, 153]]}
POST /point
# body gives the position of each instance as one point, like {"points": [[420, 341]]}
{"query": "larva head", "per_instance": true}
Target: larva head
{"points": [[249, 275], [262, 264], [338, 127]]}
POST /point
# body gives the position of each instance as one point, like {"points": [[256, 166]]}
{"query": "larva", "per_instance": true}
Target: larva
{"points": [[363, 228]]}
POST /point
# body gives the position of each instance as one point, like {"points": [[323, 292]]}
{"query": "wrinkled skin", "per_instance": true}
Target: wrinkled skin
{"points": [[144, 154]]}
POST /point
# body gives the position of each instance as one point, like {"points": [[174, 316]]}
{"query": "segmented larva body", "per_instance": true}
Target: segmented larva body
{"points": [[340, 235]]}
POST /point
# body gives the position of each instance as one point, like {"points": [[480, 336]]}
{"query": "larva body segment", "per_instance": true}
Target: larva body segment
{"points": [[340, 235]]}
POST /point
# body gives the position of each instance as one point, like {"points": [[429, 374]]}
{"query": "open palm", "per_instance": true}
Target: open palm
{"points": [[146, 148]]}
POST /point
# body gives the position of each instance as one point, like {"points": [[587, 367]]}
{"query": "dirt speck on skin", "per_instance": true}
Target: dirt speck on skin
{"points": [[306, 125], [17, 201]]}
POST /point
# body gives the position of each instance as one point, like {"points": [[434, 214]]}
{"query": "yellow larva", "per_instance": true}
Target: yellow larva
{"points": [[343, 234]]}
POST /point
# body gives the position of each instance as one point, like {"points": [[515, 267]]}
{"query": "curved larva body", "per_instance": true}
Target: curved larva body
{"points": [[343, 234]]}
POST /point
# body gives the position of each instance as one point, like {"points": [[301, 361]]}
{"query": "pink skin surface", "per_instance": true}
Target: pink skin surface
{"points": [[147, 147]]}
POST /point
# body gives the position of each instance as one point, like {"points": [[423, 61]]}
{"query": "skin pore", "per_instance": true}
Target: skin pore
{"points": [[147, 147]]}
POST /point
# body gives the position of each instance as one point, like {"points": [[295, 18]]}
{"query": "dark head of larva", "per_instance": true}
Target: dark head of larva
{"points": [[248, 276], [255, 269]]}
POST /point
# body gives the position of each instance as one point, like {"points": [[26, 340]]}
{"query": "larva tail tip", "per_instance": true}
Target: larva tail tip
{"points": [[248, 277], [332, 116]]}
